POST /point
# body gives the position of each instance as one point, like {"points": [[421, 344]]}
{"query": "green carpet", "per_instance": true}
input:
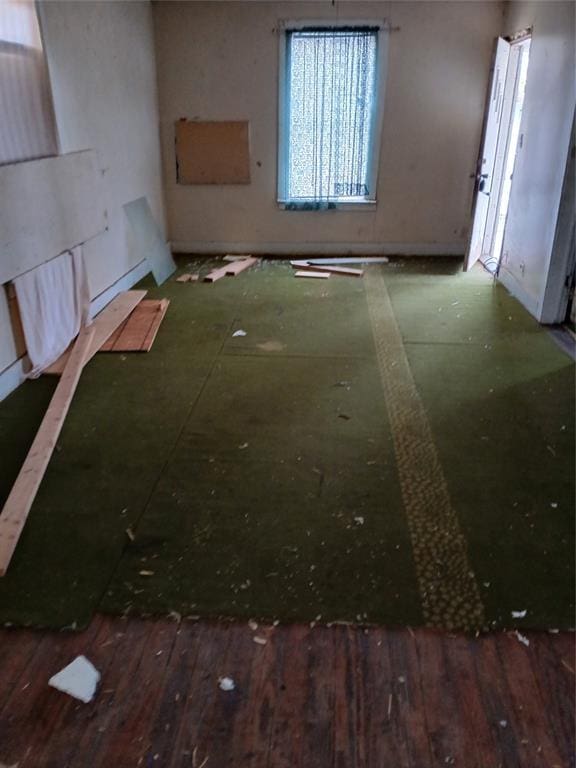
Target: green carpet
{"points": [[259, 474]]}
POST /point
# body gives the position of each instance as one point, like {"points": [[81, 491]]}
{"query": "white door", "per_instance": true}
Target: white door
{"points": [[485, 171]]}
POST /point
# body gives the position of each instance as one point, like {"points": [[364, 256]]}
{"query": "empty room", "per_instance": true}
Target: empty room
{"points": [[287, 343]]}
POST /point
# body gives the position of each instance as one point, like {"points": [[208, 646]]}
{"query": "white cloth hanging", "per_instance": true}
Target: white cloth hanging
{"points": [[54, 301]]}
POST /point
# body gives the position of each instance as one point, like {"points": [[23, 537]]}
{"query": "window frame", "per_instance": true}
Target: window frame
{"points": [[369, 202], [26, 51]]}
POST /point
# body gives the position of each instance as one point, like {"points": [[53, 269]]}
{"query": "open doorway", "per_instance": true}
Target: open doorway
{"points": [[501, 141]]}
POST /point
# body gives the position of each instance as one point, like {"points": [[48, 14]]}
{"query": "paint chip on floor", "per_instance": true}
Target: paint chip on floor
{"points": [[226, 684], [79, 679]]}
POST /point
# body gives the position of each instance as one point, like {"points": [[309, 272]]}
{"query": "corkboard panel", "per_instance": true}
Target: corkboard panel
{"points": [[213, 152]]}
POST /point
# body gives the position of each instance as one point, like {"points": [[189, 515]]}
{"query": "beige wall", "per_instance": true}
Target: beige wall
{"points": [[103, 76], [219, 61]]}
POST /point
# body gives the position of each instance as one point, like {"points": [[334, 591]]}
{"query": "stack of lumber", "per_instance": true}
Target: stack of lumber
{"points": [[138, 331]]}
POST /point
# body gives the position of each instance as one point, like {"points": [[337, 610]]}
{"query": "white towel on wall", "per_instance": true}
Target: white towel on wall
{"points": [[54, 301]]}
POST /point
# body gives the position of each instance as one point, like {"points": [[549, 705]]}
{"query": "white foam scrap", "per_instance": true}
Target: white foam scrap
{"points": [[79, 679], [239, 333], [518, 614], [226, 683]]}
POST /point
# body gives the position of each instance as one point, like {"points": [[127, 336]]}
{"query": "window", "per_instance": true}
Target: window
{"points": [[330, 110], [27, 128]]}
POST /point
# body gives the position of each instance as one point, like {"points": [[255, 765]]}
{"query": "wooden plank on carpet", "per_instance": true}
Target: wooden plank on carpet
{"points": [[345, 271], [216, 274], [350, 260], [104, 326], [23, 493], [138, 331], [231, 269], [235, 267], [309, 273]]}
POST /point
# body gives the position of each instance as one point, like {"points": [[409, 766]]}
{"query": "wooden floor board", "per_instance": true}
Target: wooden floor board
{"points": [[477, 741], [524, 720], [310, 697], [408, 713], [499, 708]]}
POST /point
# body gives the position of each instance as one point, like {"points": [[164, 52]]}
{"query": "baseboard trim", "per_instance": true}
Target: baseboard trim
{"points": [[319, 249], [14, 375], [510, 282]]}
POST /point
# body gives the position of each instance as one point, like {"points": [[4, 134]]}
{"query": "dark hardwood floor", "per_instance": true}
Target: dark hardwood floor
{"points": [[311, 697]]}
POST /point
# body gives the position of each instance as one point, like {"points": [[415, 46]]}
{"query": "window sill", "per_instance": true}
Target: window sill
{"points": [[364, 206]]}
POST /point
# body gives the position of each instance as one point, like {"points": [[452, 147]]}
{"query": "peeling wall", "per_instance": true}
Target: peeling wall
{"points": [[219, 61], [103, 76]]}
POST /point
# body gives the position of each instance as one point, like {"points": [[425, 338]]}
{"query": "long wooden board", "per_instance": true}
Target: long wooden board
{"points": [[104, 326], [307, 273], [15, 512], [231, 269], [138, 331], [216, 274], [346, 271], [350, 260], [235, 267]]}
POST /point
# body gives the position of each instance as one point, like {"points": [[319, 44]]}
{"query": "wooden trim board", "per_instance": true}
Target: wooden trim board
{"points": [[138, 331], [15, 512], [319, 275], [235, 267], [104, 326], [231, 269], [345, 271], [216, 274]]}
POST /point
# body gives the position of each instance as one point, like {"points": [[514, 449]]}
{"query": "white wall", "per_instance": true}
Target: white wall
{"points": [[219, 61], [526, 268], [103, 76]]}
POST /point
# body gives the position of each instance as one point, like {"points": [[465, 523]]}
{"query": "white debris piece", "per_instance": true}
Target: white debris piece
{"points": [[359, 520], [522, 639], [79, 679], [226, 684], [503, 723], [260, 640], [518, 614], [240, 332]]}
